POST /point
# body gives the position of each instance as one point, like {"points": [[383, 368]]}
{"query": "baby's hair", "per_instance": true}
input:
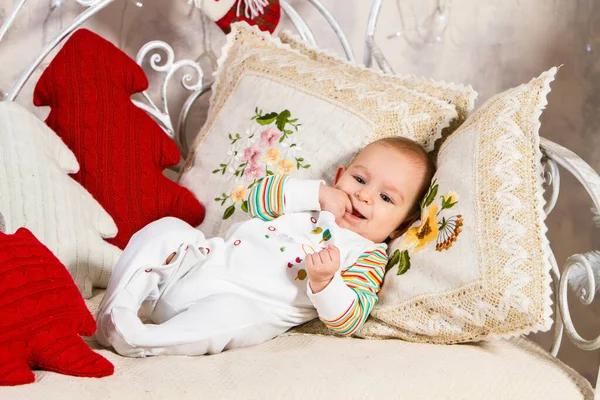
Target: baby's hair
{"points": [[418, 154]]}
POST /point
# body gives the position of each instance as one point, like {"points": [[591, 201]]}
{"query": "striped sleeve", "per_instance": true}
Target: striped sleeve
{"points": [[276, 195], [266, 200], [362, 282]]}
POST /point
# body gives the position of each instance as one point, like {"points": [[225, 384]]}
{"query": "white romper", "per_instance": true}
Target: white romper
{"points": [[240, 290]]}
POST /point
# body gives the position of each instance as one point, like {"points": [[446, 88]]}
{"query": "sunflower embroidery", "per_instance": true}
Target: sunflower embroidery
{"points": [[444, 231], [419, 237]]}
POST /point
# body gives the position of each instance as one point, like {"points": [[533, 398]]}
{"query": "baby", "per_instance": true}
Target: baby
{"points": [[313, 251]]}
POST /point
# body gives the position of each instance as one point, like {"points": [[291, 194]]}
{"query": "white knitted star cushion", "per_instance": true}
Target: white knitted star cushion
{"points": [[36, 192]]}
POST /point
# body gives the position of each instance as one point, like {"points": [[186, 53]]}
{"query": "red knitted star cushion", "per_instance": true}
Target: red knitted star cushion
{"points": [[122, 151], [42, 315]]}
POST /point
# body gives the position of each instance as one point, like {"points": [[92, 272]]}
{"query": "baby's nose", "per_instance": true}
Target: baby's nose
{"points": [[364, 195]]}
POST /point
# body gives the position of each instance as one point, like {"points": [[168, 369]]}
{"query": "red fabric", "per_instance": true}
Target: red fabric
{"points": [[266, 22], [122, 150], [42, 315]]}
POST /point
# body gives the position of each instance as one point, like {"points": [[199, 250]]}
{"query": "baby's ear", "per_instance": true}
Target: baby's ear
{"points": [[338, 174]]}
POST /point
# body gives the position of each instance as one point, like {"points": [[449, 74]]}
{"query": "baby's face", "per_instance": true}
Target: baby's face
{"points": [[383, 185]]}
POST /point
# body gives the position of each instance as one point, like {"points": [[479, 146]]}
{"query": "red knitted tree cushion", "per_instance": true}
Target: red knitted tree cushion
{"points": [[122, 150], [42, 315]]}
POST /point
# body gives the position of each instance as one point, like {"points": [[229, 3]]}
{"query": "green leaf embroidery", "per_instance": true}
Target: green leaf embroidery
{"points": [[282, 249], [326, 236], [404, 265], [245, 206], [395, 259], [301, 275], [423, 201], [282, 119], [229, 212], [431, 197], [267, 118]]}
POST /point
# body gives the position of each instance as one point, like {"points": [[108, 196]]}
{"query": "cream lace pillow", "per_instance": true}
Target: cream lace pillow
{"points": [[274, 110], [476, 265], [36, 192], [462, 97]]}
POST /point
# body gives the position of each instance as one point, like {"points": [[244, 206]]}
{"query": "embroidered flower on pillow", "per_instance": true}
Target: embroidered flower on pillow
{"points": [[433, 226], [268, 147]]}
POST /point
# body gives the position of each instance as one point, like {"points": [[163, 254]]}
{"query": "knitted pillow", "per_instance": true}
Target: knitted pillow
{"points": [[462, 97], [274, 110], [43, 315], [122, 151], [476, 266], [37, 193]]}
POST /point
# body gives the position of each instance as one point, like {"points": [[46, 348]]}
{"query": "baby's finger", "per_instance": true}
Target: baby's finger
{"points": [[334, 252], [348, 205], [341, 211], [327, 256], [323, 256], [309, 261]]}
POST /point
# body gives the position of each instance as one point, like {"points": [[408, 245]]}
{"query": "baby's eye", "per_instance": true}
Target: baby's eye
{"points": [[386, 198], [360, 180]]}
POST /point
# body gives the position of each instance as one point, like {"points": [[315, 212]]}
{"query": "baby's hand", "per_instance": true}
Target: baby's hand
{"points": [[335, 201], [321, 267]]}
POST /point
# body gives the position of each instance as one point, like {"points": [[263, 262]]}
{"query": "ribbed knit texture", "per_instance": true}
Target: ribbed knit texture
{"points": [[121, 150], [43, 315], [37, 193]]}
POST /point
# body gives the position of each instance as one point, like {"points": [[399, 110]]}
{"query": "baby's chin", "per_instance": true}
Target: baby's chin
{"points": [[354, 227], [359, 229]]}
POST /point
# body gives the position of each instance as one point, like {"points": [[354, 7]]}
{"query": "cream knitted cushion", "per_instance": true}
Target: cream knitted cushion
{"points": [[37, 193], [479, 258], [476, 266], [274, 110], [462, 97]]}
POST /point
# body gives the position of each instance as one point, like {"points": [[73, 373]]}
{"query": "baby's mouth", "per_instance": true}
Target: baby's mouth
{"points": [[356, 214]]}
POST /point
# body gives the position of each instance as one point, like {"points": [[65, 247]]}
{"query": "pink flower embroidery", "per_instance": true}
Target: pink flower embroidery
{"points": [[253, 171], [268, 137], [251, 154]]}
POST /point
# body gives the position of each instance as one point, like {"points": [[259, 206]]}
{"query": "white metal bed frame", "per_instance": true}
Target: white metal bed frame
{"points": [[197, 85]]}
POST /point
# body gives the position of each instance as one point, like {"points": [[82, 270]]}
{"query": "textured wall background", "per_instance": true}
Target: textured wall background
{"points": [[490, 45]]}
